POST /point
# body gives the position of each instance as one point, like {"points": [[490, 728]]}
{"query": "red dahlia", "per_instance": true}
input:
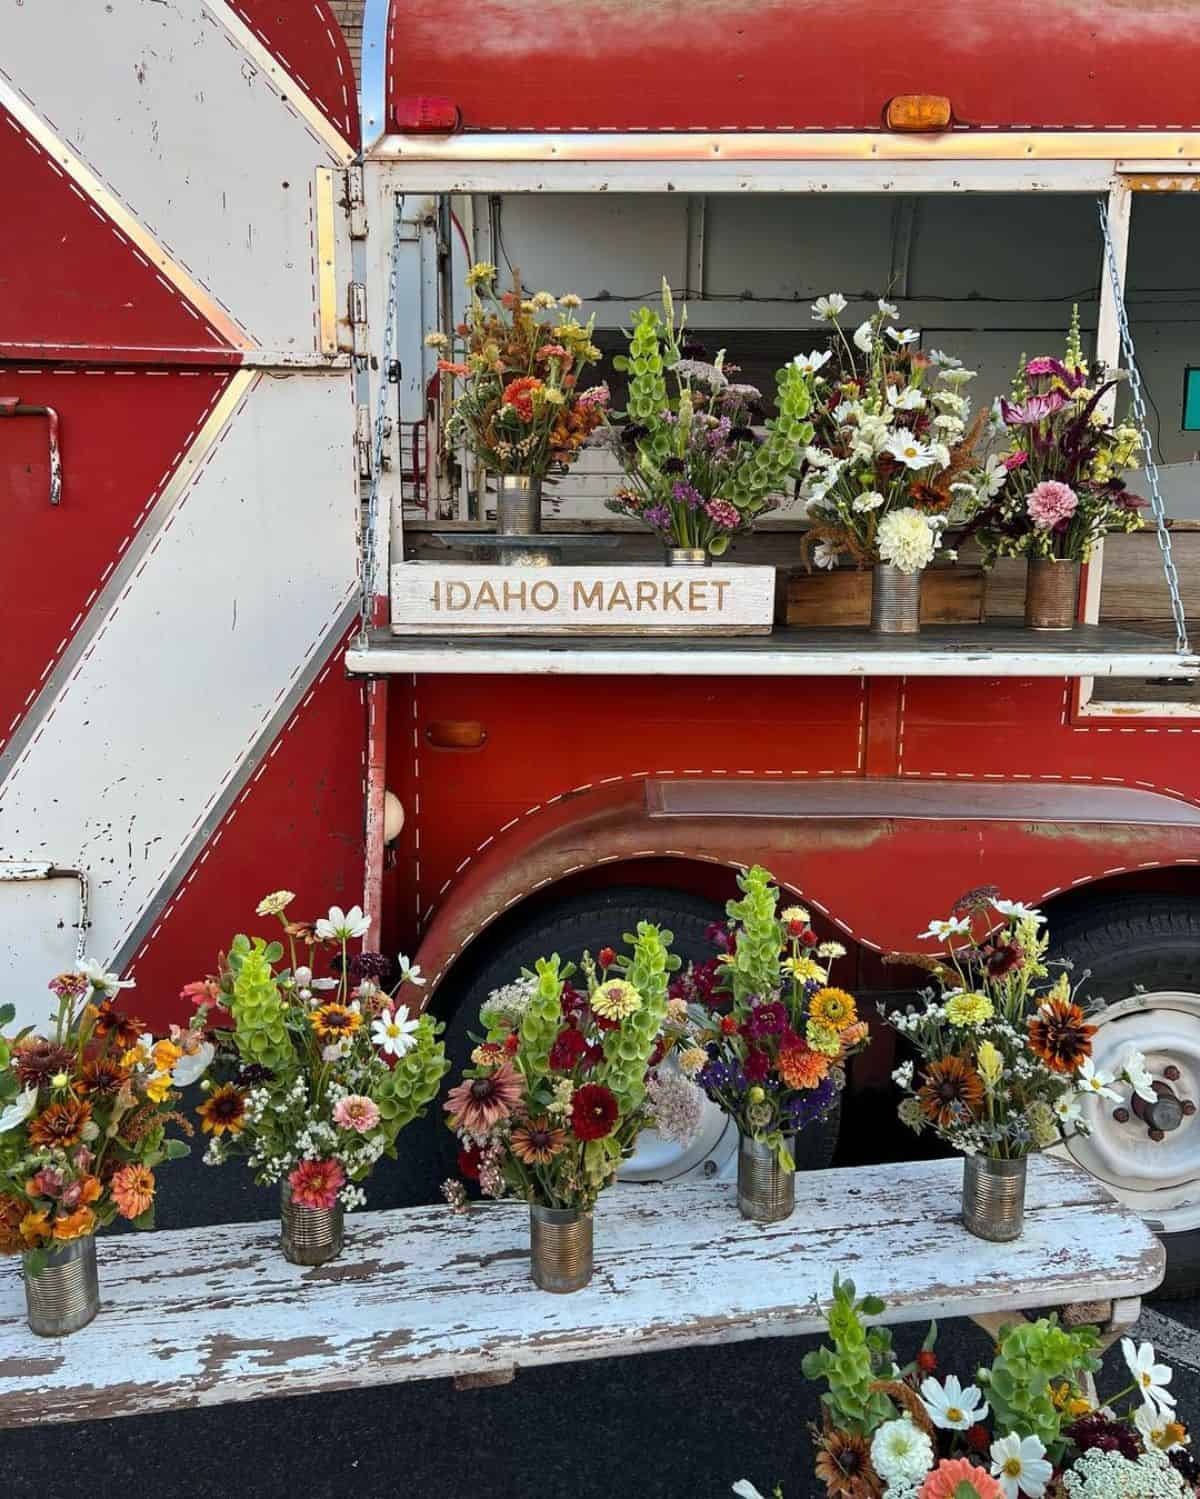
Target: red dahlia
{"points": [[569, 1046], [593, 1112]]}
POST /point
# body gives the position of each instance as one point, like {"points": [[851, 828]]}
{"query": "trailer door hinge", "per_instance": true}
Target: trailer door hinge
{"points": [[356, 202], [362, 441], [358, 318]]}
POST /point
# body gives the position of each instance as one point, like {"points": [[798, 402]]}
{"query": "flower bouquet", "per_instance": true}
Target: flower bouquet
{"points": [[1004, 1054], [84, 1113], [1063, 486], [891, 457], [318, 1074], [699, 473], [561, 1085], [769, 1038], [1029, 1427], [519, 406]]}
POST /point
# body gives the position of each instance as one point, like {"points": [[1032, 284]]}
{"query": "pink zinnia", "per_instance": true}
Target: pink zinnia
{"points": [[316, 1184], [356, 1112], [723, 514], [478, 1104], [1050, 504], [943, 1482], [595, 395]]}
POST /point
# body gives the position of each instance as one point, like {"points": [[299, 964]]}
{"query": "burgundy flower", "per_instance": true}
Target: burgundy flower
{"points": [[757, 1065], [569, 1046], [594, 1112], [1003, 958], [1109, 1436], [766, 1020], [571, 1002]]}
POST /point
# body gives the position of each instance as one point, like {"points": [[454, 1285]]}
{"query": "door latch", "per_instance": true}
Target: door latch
{"points": [[13, 406]]}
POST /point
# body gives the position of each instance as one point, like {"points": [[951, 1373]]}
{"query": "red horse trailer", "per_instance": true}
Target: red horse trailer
{"points": [[218, 295]]}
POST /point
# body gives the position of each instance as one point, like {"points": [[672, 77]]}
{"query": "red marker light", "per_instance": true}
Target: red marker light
{"points": [[425, 114]]}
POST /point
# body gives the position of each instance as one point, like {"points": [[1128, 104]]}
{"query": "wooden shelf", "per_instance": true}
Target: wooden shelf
{"points": [[217, 1314], [1001, 649]]}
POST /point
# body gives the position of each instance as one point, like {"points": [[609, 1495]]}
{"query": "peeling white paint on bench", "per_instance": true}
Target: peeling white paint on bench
{"points": [[215, 1315]]}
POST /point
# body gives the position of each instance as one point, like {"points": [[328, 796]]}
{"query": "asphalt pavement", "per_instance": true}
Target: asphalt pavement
{"points": [[655, 1426]]}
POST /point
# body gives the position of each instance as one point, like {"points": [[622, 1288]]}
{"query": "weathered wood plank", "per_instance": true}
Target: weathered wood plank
{"points": [[208, 1317]]}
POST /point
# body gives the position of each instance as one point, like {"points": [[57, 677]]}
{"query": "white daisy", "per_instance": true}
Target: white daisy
{"points": [[903, 336], [826, 309], [1089, 1079], [864, 337], [393, 1032], [1016, 911], [19, 1110], [97, 976], [1133, 1070], [1151, 1378], [889, 309], [1152, 1423], [825, 555], [909, 450], [956, 926], [1066, 1108], [342, 926], [1020, 1467], [809, 364], [908, 399], [410, 973], [951, 1407]]}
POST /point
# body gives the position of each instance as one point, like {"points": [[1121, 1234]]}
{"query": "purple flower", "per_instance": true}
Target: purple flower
{"points": [[659, 517], [719, 435], [811, 1105], [686, 495], [1036, 409], [767, 1020], [718, 1076]]}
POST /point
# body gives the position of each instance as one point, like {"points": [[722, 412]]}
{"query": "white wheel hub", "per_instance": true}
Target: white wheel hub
{"points": [[711, 1155], [1155, 1171]]}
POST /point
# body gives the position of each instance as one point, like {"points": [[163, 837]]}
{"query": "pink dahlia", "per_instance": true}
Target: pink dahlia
{"points": [[316, 1184], [356, 1112], [478, 1104], [1050, 504]]}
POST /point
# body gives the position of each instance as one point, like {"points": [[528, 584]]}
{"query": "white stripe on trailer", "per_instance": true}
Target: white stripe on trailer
{"points": [[1173, 1342], [233, 589], [215, 161]]}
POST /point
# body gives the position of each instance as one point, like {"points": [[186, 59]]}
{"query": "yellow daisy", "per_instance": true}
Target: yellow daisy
{"points": [[833, 1008]]}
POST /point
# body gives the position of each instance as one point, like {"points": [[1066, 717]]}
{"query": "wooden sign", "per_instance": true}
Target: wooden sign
{"points": [[441, 598], [949, 596]]}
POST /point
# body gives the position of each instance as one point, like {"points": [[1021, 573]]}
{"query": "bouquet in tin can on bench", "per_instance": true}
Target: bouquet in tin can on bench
{"points": [[562, 1084], [320, 1072], [1004, 1062], [699, 471], [770, 1037], [85, 1108]]}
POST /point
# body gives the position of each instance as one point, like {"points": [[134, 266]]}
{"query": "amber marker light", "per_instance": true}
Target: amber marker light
{"points": [[453, 733], [918, 112]]}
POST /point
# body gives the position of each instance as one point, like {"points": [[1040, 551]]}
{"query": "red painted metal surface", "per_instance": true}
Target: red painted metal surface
{"points": [[122, 434], [71, 281], [559, 787], [298, 824], [306, 40], [796, 64]]}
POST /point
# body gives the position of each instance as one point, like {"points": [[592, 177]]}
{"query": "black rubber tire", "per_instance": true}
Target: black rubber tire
{"points": [[1153, 941], [579, 922]]}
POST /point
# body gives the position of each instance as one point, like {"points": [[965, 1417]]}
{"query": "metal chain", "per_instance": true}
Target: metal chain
{"points": [[1137, 401], [371, 519]]}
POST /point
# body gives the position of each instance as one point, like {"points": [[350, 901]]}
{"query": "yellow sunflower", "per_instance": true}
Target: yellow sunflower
{"points": [[333, 1021], [834, 1008]]}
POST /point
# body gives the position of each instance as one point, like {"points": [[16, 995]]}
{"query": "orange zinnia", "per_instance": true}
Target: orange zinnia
{"points": [[75, 1225], [60, 1125], [801, 1067], [132, 1190], [1058, 1035], [951, 1090]]}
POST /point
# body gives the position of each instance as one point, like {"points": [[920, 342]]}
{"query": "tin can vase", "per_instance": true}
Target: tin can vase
{"points": [[688, 557], [766, 1192], [308, 1236], [65, 1296], [993, 1202], [518, 504], [895, 601], [560, 1248], [1051, 594]]}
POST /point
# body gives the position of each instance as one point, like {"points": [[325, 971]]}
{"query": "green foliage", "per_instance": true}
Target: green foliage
{"points": [[858, 1358], [776, 457], [754, 968], [647, 377], [1032, 1357], [414, 1081], [542, 1019], [627, 1049], [259, 1013]]}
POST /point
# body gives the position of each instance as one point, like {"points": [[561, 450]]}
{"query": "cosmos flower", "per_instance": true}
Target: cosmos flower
{"points": [[342, 926], [394, 1033], [827, 309], [951, 1407]]}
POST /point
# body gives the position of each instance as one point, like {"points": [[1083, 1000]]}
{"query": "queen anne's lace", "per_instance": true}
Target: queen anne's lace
{"points": [[1108, 1475]]}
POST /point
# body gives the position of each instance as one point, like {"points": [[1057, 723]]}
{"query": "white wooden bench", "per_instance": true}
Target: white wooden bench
{"points": [[200, 1318]]}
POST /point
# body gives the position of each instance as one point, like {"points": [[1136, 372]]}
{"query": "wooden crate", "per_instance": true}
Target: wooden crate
{"points": [[443, 598], [949, 596]]}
